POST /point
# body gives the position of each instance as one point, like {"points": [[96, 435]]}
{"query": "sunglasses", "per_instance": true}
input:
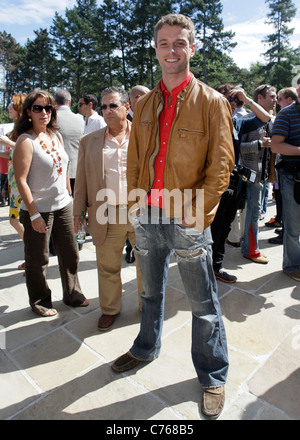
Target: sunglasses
{"points": [[39, 108], [267, 86], [81, 103], [232, 99], [111, 106]]}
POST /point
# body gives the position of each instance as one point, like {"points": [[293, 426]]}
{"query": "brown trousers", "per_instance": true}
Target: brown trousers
{"points": [[60, 227]]}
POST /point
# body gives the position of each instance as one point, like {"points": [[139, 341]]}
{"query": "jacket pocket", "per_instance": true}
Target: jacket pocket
{"points": [[185, 132], [146, 124]]}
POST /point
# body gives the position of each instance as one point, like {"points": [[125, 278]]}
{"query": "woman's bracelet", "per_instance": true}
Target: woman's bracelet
{"points": [[35, 216]]}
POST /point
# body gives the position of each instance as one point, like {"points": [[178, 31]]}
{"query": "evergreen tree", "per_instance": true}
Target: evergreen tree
{"points": [[74, 38], [279, 56], [211, 37], [141, 56], [12, 61], [40, 63], [111, 41]]}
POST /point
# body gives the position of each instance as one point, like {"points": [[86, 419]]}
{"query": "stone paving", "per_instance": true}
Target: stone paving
{"points": [[59, 367]]}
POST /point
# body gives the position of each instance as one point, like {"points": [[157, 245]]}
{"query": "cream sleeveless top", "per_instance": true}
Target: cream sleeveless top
{"points": [[47, 185]]}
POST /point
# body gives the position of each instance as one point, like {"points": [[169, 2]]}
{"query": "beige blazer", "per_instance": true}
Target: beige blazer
{"points": [[90, 178]]}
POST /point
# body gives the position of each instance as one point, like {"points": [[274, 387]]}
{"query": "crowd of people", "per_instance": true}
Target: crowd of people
{"points": [[119, 175]]}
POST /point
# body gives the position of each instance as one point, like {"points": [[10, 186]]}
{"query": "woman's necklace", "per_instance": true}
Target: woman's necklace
{"points": [[53, 151]]}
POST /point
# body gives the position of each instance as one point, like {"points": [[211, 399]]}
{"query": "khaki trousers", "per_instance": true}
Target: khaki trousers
{"points": [[109, 262]]}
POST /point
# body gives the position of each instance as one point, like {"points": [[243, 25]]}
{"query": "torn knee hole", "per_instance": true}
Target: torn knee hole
{"points": [[192, 254], [140, 251]]}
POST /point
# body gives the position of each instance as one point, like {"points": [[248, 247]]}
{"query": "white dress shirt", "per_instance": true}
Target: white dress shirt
{"points": [[93, 123]]}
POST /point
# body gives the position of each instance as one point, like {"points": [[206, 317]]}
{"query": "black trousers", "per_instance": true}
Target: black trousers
{"points": [[221, 226]]}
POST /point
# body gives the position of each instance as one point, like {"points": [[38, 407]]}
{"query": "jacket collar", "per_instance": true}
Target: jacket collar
{"points": [[191, 83]]}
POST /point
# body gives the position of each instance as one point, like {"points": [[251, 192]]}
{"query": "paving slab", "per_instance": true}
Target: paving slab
{"points": [[60, 368]]}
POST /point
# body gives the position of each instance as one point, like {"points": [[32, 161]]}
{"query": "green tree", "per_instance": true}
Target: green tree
{"points": [[74, 39], [279, 57], [141, 56], [11, 60], [107, 44], [40, 64], [212, 39]]}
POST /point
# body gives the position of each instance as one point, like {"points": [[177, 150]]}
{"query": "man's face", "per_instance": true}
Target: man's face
{"points": [[282, 101], [82, 107], [114, 112], [269, 102], [134, 97], [233, 103], [173, 49]]}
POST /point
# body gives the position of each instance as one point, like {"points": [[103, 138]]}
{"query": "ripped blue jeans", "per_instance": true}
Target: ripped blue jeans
{"points": [[155, 244]]}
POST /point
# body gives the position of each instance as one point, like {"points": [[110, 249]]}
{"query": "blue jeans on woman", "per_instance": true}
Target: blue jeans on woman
{"points": [[291, 221], [155, 244]]}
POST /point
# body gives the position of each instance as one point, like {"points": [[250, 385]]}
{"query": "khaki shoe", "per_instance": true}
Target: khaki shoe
{"points": [[261, 260], [125, 362], [213, 402]]}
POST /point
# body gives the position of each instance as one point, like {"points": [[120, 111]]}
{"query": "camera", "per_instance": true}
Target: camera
{"points": [[245, 173]]}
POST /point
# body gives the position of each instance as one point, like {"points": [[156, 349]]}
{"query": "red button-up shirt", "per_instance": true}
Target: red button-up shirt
{"points": [[166, 119]]}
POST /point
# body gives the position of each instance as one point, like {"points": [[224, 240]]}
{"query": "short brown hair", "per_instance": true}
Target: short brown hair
{"points": [[289, 92], [263, 90], [224, 89], [176, 20]]}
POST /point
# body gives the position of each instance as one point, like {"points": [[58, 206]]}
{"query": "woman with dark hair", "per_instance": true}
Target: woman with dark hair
{"points": [[40, 165]]}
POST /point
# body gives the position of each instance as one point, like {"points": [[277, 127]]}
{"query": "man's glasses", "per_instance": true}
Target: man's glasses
{"points": [[111, 106], [81, 103], [39, 108]]}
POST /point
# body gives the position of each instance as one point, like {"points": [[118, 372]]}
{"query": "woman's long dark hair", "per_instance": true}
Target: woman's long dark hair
{"points": [[24, 124]]}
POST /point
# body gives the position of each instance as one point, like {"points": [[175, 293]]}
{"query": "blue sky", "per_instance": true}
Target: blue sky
{"points": [[245, 17]]}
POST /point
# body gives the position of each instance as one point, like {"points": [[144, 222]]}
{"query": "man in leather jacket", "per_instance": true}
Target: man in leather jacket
{"points": [[180, 158]]}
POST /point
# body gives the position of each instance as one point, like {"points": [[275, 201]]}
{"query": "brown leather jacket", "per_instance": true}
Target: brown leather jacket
{"points": [[200, 151]]}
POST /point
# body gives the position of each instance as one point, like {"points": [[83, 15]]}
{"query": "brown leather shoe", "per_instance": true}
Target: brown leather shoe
{"points": [[213, 402], [106, 321], [125, 362]]}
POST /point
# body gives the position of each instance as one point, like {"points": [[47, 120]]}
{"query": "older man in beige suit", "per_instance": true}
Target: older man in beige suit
{"points": [[101, 188]]}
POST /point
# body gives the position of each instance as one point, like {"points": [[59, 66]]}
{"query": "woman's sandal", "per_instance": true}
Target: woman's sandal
{"points": [[76, 303], [21, 266], [43, 311]]}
